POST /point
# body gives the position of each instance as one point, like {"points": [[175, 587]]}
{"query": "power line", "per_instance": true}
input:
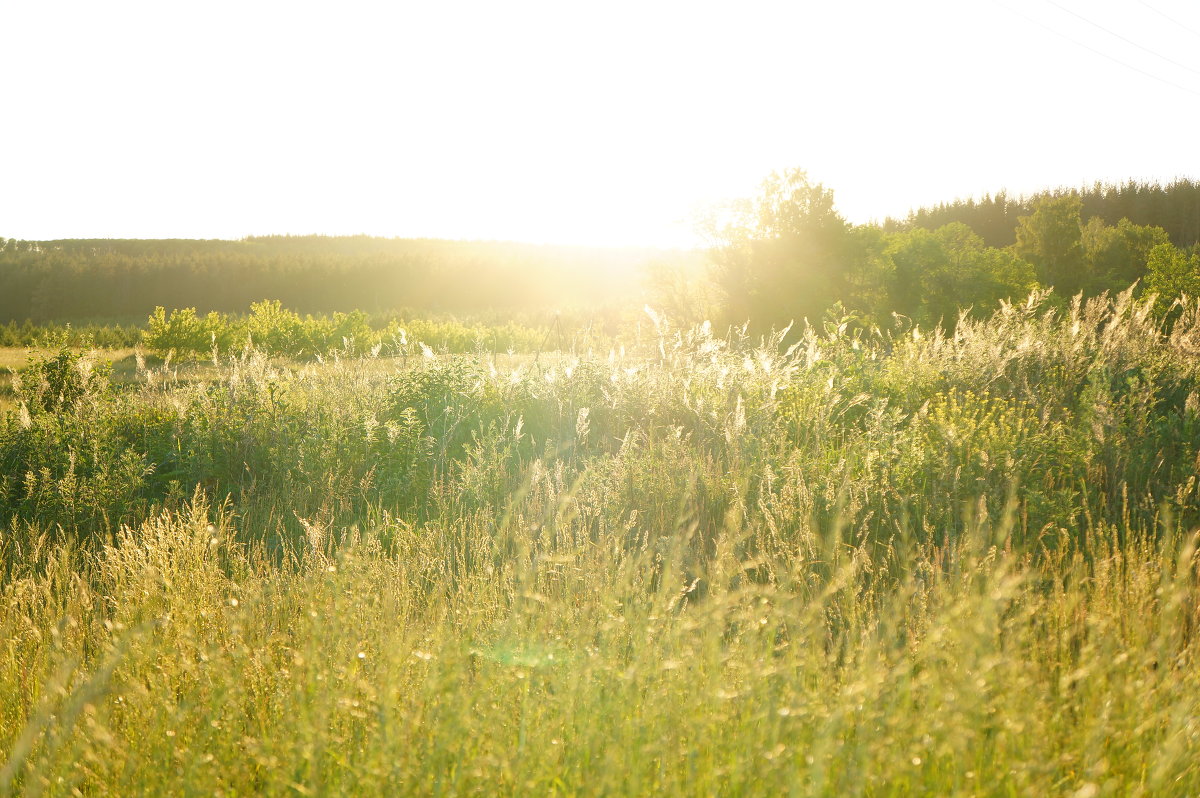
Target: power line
{"points": [[1167, 16], [1125, 39], [1100, 53]]}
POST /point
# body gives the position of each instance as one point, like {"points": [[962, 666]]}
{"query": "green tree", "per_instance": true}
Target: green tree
{"points": [[784, 255], [274, 329], [1118, 255], [1051, 238], [185, 333], [936, 273], [1172, 273], [919, 263]]}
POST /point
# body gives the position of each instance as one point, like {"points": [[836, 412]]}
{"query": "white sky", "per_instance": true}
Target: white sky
{"points": [[600, 122]]}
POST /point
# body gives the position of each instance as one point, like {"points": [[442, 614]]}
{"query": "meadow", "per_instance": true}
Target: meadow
{"points": [[838, 561]]}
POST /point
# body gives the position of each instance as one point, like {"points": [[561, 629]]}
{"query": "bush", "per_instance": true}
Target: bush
{"points": [[58, 382], [185, 333]]}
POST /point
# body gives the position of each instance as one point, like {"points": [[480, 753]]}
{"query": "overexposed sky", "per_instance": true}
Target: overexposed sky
{"points": [[559, 121]]}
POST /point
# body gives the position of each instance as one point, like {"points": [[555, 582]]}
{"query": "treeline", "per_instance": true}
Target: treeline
{"points": [[1174, 207], [787, 255], [782, 257], [124, 280]]}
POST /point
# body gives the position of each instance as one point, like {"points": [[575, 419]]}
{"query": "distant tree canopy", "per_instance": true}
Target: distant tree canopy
{"points": [[1174, 207], [126, 279], [787, 255]]}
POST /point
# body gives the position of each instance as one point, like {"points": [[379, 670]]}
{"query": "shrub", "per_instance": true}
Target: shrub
{"points": [[60, 381]]}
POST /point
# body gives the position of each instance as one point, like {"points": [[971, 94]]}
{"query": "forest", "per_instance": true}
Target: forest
{"points": [[787, 255], [124, 280], [1175, 207]]}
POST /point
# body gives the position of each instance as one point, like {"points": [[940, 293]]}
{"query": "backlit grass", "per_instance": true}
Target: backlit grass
{"points": [[875, 564]]}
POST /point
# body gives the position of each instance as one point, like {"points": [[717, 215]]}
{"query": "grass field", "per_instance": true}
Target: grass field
{"points": [[871, 564]]}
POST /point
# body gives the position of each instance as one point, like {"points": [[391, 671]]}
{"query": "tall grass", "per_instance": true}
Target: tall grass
{"points": [[877, 563]]}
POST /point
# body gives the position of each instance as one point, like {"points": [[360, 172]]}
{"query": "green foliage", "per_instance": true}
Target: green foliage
{"points": [[276, 331], [1172, 274], [1173, 207], [106, 336], [65, 457], [786, 256], [1119, 255], [858, 406], [973, 451], [1051, 238], [404, 336], [58, 382], [346, 332], [783, 256], [185, 333], [933, 275]]}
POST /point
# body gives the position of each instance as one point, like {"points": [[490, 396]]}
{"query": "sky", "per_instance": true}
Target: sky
{"points": [[566, 122]]}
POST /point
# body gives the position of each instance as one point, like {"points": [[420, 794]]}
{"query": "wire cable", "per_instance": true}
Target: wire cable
{"points": [[1125, 39], [1100, 53], [1167, 16]]}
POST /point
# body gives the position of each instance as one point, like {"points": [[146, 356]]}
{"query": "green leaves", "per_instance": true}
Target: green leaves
{"points": [[58, 382], [1051, 238], [186, 334], [1172, 273], [934, 275], [277, 331]]}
